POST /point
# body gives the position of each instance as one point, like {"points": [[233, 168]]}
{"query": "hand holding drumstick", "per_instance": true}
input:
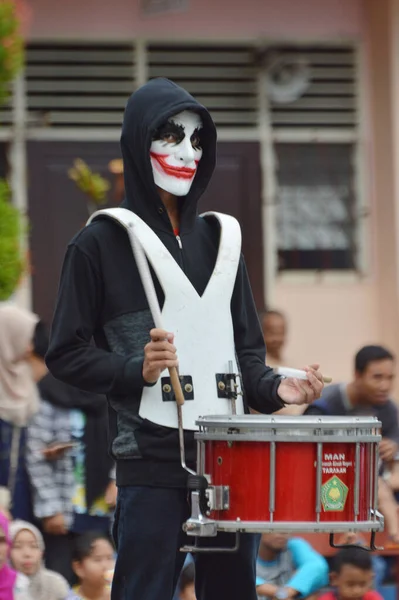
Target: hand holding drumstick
{"points": [[302, 391], [160, 354]]}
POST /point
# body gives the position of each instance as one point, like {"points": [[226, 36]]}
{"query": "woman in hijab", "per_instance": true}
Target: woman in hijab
{"points": [[13, 585], [19, 401], [27, 548]]}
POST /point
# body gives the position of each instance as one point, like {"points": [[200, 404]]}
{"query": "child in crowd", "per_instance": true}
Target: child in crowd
{"points": [[352, 576], [379, 565], [13, 585], [93, 564], [187, 586], [27, 549]]}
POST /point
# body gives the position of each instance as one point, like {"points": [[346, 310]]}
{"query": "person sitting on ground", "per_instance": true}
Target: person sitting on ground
{"points": [[13, 585], [288, 568], [352, 576], [27, 549], [368, 394], [93, 563], [274, 327]]}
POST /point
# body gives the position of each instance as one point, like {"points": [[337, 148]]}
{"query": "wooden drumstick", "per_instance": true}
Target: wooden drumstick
{"points": [[176, 385], [297, 374]]}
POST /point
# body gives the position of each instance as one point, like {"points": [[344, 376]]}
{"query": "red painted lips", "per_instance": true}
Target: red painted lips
{"points": [[180, 172]]}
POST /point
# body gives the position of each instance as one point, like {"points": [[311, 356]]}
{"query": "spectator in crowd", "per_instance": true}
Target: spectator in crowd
{"points": [[19, 401], [274, 327], [368, 394], [288, 568], [379, 565], [13, 585], [69, 465], [93, 563], [27, 550], [187, 583], [352, 576]]}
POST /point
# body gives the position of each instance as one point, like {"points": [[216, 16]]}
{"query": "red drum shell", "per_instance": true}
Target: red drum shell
{"points": [[244, 466]]}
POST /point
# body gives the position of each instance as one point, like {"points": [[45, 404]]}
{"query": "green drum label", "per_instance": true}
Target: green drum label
{"points": [[333, 494]]}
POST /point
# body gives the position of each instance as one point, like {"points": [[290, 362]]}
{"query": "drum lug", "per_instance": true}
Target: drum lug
{"points": [[218, 497], [226, 385], [198, 524]]}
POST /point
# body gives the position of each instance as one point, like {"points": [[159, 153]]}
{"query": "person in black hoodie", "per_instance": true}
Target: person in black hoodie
{"points": [[101, 296]]}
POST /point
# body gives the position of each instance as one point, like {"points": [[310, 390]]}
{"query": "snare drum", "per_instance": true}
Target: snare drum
{"points": [[270, 473]]}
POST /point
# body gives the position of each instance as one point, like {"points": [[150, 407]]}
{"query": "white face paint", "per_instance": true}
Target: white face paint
{"points": [[175, 153]]}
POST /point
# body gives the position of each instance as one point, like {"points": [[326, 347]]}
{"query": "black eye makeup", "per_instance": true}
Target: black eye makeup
{"points": [[196, 140], [170, 133], [174, 133]]}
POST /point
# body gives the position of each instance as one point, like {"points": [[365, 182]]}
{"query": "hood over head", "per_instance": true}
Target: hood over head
{"points": [[147, 109]]}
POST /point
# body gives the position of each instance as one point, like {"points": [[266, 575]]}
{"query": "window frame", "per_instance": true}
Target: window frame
{"points": [[362, 180]]}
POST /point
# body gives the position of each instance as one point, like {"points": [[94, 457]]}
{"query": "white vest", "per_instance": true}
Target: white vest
{"points": [[202, 325]]}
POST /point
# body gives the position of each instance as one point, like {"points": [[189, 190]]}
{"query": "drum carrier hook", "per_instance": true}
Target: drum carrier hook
{"points": [[372, 547]]}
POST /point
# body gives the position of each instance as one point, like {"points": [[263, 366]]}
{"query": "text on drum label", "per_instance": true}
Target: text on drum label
{"points": [[335, 463]]}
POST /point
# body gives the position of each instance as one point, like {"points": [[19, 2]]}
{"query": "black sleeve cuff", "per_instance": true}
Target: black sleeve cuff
{"points": [[268, 390], [132, 377]]}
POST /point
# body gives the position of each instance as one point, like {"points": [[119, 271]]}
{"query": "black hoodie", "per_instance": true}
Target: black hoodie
{"points": [[101, 297]]}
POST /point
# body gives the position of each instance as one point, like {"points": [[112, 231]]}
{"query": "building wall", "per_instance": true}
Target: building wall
{"points": [[276, 18], [330, 318], [328, 323]]}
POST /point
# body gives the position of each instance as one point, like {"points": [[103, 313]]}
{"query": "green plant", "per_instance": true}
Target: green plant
{"points": [[92, 184], [11, 261], [11, 47]]}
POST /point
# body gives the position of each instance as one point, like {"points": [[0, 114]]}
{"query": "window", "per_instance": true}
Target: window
{"points": [[315, 206]]}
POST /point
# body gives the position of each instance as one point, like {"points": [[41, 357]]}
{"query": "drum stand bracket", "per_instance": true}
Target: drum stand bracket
{"points": [[198, 524], [371, 548], [379, 521], [212, 549]]}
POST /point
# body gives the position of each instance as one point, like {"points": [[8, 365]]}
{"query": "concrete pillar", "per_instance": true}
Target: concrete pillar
{"points": [[382, 46]]}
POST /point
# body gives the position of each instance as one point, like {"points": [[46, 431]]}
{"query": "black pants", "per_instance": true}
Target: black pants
{"points": [[148, 534]]}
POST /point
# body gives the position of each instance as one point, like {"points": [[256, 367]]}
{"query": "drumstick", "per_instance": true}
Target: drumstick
{"points": [[296, 374], [151, 295], [176, 385]]}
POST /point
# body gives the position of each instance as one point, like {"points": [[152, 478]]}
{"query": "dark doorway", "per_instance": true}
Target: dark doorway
{"points": [[58, 209], [235, 189]]}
